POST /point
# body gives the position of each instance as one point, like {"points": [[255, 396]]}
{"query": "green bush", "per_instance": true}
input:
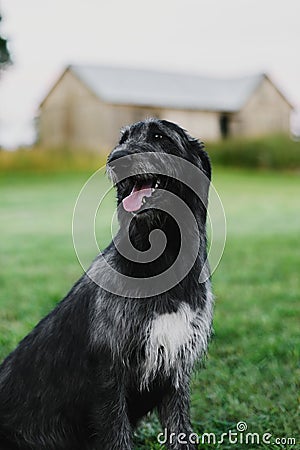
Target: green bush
{"points": [[272, 152], [41, 160]]}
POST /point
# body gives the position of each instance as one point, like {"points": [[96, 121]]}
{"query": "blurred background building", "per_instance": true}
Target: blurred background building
{"points": [[88, 104]]}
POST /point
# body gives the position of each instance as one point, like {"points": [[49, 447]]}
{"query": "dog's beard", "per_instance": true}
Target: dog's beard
{"points": [[142, 209]]}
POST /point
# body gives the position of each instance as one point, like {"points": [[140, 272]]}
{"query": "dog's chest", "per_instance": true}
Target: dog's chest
{"points": [[170, 332], [173, 341]]}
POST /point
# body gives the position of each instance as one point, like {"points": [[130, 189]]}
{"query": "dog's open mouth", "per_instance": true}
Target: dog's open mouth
{"points": [[143, 188]]}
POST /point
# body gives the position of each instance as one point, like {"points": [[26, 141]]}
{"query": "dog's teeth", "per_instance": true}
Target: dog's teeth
{"points": [[144, 200], [156, 185]]}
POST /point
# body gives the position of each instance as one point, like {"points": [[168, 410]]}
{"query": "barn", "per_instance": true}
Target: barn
{"points": [[89, 104]]}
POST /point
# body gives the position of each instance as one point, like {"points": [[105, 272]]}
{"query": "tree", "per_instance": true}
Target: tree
{"points": [[4, 52]]}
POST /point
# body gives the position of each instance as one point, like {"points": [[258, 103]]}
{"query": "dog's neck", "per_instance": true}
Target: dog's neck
{"points": [[140, 231], [139, 237]]}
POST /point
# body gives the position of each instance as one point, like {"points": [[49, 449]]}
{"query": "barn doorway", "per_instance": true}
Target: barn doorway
{"points": [[224, 125]]}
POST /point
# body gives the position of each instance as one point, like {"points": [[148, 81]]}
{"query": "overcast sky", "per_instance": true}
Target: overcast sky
{"points": [[217, 37]]}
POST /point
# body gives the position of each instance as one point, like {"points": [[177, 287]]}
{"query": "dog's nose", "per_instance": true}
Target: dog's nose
{"points": [[116, 154]]}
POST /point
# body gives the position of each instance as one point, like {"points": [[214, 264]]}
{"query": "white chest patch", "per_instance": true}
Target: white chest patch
{"points": [[172, 337], [171, 331]]}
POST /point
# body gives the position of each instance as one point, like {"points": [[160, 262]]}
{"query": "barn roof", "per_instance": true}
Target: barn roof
{"points": [[162, 89]]}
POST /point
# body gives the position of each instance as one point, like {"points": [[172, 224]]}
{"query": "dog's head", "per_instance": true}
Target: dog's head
{"points": [[148, 160]]}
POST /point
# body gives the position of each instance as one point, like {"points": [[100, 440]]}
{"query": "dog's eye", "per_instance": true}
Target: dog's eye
{"points": [[158, 136]]}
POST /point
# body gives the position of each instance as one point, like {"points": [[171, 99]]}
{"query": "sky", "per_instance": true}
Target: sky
{"points": [[211, 37]]}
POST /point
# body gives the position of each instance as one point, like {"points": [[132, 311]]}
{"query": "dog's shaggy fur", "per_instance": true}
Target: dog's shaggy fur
{"points": [[99, 362]]}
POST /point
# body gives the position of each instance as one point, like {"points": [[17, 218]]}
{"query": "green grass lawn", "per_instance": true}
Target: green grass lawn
{"points": [[252, 371]]}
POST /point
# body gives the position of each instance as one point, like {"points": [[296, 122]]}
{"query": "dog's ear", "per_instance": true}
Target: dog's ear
{"points": [[198, 149], [206, 163]]}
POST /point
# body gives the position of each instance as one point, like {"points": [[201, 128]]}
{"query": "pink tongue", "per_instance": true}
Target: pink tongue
{"points": [[133, 201]]}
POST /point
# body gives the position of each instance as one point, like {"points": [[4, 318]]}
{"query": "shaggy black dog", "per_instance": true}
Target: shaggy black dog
{"points": [[114, 348]]}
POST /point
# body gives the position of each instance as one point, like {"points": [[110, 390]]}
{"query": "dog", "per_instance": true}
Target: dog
{"points": [[115, 349]]}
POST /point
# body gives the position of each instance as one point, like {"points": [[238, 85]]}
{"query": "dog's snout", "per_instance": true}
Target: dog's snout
{"points": [[116, 154]]}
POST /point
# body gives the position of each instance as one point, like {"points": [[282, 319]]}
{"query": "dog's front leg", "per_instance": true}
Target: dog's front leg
{"points": [[111, 423], [174, 415], [118, 437]]}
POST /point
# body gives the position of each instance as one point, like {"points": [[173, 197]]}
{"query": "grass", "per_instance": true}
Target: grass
{"points": [[252, 371]]}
